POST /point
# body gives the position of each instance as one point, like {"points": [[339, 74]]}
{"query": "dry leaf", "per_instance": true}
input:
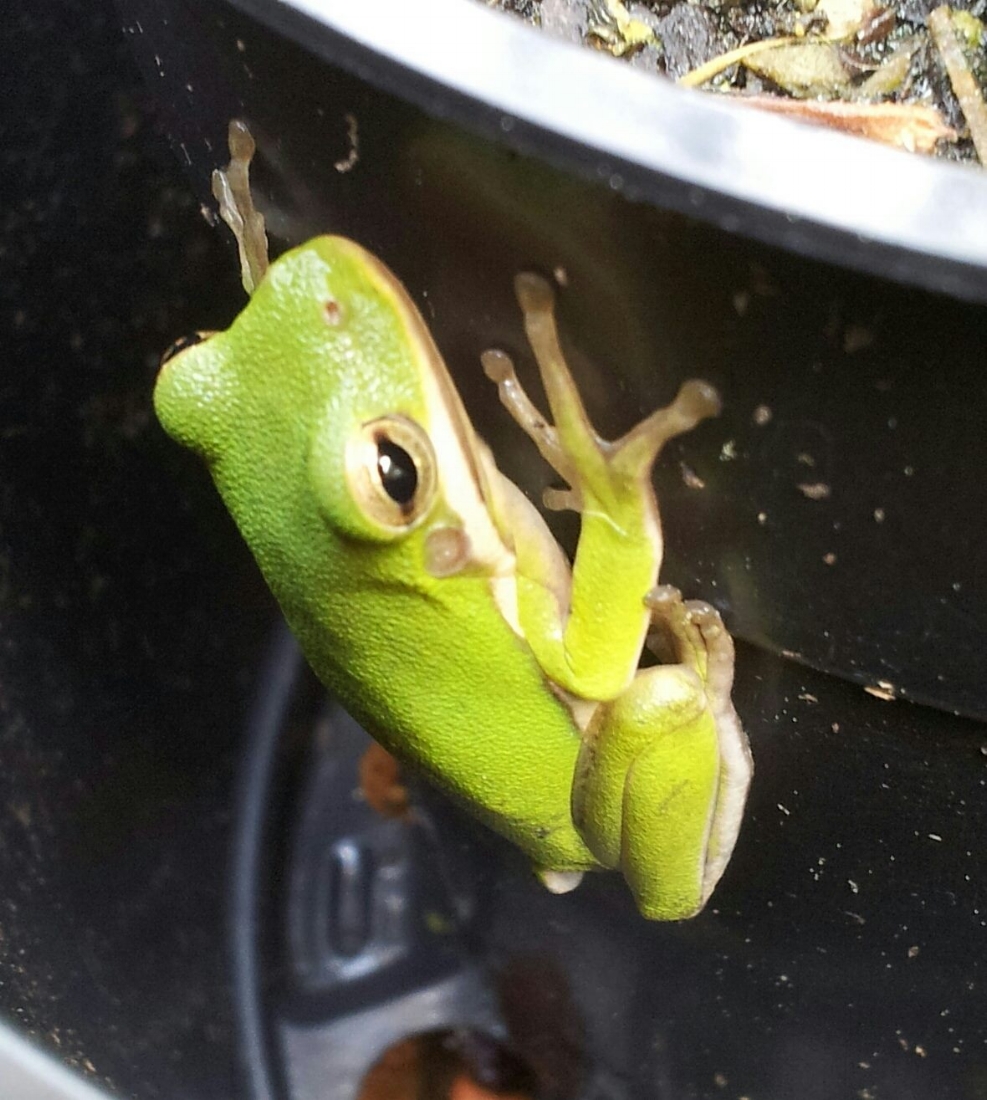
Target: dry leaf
{"points": [[381, 784], [716, 65], [911, 126], [802, 69], [892, 74]]}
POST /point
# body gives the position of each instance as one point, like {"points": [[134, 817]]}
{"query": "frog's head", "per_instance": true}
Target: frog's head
{"points": [[326, 405]]}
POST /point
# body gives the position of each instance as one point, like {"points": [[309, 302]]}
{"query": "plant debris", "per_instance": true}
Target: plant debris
{"points": [[613, 25], [968, 91], [910, 126], [803, 69], [894, 71]]}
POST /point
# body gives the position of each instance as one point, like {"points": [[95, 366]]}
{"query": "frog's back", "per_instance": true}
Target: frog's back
{"points": [[342, 450]]}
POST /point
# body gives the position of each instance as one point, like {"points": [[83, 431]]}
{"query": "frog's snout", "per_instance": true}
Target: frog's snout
{"points": [[186, 391]]}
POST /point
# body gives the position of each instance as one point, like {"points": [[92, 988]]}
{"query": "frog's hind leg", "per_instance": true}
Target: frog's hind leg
{"points": [[645, 788], [664, 769], [702, 640]]}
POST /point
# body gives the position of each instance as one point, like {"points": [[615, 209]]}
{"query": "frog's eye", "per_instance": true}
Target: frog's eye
{"points": [[182, 343], [390, 466]]}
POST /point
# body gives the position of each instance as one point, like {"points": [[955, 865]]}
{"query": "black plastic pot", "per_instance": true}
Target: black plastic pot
{"points": [[838, 530], [852, 404]]}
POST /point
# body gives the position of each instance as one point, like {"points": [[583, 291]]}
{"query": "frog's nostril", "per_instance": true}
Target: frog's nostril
{"points": [[181, 344]]}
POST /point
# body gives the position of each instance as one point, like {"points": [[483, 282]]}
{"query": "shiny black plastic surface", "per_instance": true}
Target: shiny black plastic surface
{"points": [[131, 618], [838, 521]]}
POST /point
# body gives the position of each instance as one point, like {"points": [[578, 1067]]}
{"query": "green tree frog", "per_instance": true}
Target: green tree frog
{"points": [[428, 592]]}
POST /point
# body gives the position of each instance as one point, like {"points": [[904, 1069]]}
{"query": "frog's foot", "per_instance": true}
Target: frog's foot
{"points": [[691, 632], [596, 470], [559, 882], [700, 641], [231, 189], [499, 367]]}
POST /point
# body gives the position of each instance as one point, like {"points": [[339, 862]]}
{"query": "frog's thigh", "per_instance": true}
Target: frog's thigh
{"points": [[645, 788]]}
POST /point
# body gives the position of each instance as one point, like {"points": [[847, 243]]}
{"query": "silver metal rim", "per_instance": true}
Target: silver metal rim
{"points": [[828, 194]]}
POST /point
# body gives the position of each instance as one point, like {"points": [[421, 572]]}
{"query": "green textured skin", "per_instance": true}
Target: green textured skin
{"points": [[428, 665]]}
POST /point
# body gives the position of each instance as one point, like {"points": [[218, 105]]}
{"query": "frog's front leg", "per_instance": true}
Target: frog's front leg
{"points": [[664, 770], [231, 189]]}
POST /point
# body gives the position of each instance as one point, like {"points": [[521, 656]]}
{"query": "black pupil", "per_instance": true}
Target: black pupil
{"points": [[397, 472]]}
